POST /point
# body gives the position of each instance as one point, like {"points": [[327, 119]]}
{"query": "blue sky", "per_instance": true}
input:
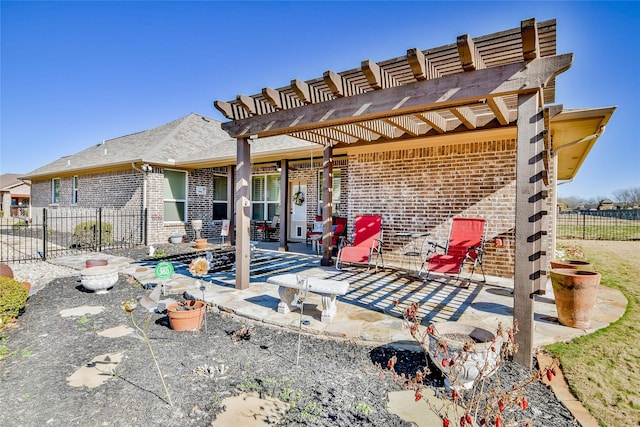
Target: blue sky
{"points": [[76, 73]]}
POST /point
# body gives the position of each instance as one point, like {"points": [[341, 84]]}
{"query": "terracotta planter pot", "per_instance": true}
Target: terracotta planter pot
{"points": [[28, 286], [6, 271], [202, 243], [572, 263], [186, 316], [575, 292]]}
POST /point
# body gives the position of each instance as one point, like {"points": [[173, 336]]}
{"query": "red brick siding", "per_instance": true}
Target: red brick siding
{"points": [[421, 189]]}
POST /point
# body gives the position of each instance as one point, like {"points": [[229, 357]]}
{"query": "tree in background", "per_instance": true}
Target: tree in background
{"points": [[627, 197]]}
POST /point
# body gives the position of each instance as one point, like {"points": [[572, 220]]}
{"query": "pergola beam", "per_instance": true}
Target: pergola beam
{"points": [[529, 35], [377, 77], [421, 67], [470, 58], [499, 109], [449, 91]]}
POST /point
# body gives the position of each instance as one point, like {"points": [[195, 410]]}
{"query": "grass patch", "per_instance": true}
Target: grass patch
{"points": [[603, 368]]}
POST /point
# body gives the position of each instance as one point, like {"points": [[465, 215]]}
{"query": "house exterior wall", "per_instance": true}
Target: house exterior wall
{"points": [[116, 189]]}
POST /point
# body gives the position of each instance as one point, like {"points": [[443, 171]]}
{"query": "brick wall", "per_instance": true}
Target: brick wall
{"points": [[420, 189]]}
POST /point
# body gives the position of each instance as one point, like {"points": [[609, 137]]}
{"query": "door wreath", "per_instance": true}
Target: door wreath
{"points": [[298, 197]]}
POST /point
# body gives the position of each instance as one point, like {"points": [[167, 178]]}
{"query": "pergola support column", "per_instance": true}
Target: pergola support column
{"points": [[284, 205], [530, 213], [231, 173], [327, 205], [243, 213]]}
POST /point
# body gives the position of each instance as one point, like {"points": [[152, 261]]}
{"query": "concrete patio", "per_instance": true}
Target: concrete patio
{"points": [[368, 313]]}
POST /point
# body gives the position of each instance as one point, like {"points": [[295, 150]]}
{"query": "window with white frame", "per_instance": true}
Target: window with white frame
{"points": [[265, 197], [220, 194], [335, 194], [55, 190], [175, 195], [74, 195]]}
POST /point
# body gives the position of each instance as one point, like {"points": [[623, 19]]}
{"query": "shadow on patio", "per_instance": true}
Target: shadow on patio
{"points": [[368, 312]]}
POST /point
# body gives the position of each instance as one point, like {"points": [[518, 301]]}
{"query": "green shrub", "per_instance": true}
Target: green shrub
{"points": [[21, 223], [86, 233], [13, 296]]}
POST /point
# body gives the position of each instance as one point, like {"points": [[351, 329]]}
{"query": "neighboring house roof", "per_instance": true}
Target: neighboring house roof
{"points": [[191, 141], [9, 181]]}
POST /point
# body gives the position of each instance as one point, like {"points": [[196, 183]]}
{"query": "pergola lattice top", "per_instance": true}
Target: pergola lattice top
{"points": [[307, 110]]}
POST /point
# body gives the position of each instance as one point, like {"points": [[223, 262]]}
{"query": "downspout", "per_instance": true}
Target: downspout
{"points": [[144, 199], [554, 154]]}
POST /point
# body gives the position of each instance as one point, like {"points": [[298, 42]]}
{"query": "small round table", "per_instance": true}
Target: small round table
{"points": [[412, 250]]}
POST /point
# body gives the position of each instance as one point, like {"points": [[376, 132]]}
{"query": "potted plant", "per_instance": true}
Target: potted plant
{"points": [[189, 315], [186, 315], [575, 293], [480, 402], [463, 352], [201, 243]]}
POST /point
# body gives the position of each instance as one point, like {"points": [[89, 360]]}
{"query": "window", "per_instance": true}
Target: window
{"points": [[220, 187], [336, 192], [55, 190], [175, 195], [74, 196], [265, 197]]}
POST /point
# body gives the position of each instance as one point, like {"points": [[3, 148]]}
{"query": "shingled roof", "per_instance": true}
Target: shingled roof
{"points": [[190, 141]]}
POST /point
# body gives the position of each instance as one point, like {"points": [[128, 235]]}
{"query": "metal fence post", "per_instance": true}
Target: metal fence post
{"points": [[99, 229], [44, 234], [584, 225]]}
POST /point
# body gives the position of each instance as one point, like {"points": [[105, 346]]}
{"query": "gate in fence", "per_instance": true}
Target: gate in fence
{"points": [[61, 232], [599, 225]]}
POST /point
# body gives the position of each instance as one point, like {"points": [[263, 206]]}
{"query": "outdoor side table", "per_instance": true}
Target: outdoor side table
{"points": [[412, 250], [316, 243]]}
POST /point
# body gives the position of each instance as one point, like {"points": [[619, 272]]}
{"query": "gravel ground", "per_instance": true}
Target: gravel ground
{"points": [[332, 383]]}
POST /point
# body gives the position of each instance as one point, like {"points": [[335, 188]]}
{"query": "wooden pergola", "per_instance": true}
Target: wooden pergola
{"points": [[498, 80]]}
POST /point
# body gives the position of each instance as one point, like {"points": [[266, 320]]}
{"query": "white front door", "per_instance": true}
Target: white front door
{"points": [[298, 219]]}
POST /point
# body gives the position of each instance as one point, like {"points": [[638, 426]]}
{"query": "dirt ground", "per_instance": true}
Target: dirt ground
{"points": [[325, 382]]}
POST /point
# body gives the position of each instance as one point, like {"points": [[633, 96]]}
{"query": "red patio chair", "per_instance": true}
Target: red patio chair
{"points": [[465, 245], [367, 241], [315, 231], [338, 230], [268, 229]]}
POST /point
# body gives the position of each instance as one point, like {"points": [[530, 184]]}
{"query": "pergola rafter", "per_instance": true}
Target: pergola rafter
{"points": [[502, 79]]}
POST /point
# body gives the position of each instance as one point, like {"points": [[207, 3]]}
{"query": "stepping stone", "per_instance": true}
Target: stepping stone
{"points": [[403, 404], [96, 372], [81, 311], [117, 332], [249, 410]]}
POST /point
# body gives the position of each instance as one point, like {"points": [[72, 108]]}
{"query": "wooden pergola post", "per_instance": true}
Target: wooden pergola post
{"points": [[284, 205], [231, 178], [243, 213], [529, 166], [327, 205]]}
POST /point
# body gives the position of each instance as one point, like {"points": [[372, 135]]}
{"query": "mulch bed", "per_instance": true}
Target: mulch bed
{"points": [[332, 382]]}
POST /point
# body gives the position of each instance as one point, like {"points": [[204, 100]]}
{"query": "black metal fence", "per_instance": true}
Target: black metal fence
{"points": [[599, 225], [61, 232]]}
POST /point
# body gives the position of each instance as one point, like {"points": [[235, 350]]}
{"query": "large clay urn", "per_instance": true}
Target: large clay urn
{"points": [[575, 292], [6, 271], [572, 263]]}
